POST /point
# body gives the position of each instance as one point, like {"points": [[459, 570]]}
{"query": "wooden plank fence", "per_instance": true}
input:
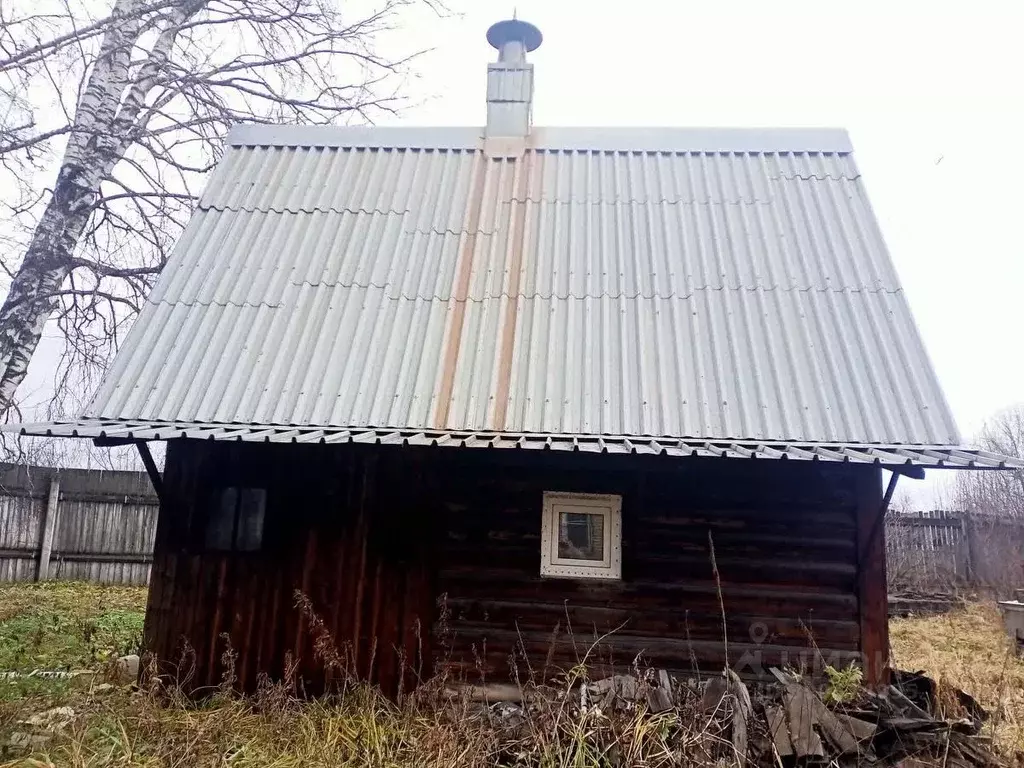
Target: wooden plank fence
{"points": [[940, 550], [926, 550], [76, 524]]}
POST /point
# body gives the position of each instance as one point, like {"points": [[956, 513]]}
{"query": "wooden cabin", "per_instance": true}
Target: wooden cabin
{"points": [[416, 557], [500, 399]]}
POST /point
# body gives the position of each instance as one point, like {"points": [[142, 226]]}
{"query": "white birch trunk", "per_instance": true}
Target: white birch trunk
{"points": [[103, 130], [33, 295], [135, 75]]}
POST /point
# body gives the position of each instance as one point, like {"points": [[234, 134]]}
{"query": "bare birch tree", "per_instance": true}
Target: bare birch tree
{"points": [[130, 106], [997, 494]]}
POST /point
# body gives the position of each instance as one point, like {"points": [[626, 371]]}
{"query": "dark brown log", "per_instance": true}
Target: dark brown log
{"points": [[871, 585]]}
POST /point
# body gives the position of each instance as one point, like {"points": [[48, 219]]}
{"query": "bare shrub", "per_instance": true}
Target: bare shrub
{"points": [[994, 502]]}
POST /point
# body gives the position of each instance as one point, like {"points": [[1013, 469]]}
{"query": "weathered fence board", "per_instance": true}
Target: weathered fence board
{"points": [[941, 550], [93, 525]]}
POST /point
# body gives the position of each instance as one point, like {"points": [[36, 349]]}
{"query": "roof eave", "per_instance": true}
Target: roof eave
{"points": [[895, 457]]}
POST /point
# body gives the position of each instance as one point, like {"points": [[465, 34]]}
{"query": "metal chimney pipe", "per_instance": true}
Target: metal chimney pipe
{"points": [[510, 79]]}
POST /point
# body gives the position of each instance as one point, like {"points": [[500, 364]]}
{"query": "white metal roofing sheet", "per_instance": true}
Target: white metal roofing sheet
{"points": [[717, 294]]}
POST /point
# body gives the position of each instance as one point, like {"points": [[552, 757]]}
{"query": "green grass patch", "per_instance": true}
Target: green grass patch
{"points": [[71, 598], [64, 626]]}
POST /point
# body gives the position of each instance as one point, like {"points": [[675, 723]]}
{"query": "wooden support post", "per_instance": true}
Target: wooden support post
{"points": [[49, 527], [151, 469], [969, 544], [872, 587]]}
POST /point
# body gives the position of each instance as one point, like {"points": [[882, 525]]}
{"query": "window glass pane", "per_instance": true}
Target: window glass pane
{"points": [[220, 527], [250, 519], [580, 536]]}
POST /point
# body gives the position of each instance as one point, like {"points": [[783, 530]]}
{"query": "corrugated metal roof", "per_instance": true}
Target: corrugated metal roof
{"points": [[674, 288], [890, 456], [560, 138]]}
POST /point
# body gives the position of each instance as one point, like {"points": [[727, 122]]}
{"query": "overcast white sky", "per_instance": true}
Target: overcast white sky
{"points": [[933, 97], [931, 93]]}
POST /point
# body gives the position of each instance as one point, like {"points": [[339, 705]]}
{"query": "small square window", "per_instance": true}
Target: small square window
{"points": [[581, 536], [236, 520]]}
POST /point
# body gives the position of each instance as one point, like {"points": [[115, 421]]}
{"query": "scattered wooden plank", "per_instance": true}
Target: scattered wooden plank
{"points": [[779, 730], [741, 711], [800, 715], [783, 677], [888, 727], [714, 692], [862, 730], [660, 698], [835, 730], [905, 706]]}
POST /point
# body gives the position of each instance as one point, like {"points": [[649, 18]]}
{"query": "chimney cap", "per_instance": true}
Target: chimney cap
{"points": [[514, 30]]}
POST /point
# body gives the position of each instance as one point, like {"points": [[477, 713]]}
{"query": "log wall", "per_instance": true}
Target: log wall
{"points": [[785, 538], [416, 558], [340, 530]]}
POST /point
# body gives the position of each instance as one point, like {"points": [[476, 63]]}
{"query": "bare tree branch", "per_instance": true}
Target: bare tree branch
{"points": [[75, 37], [996, 494], [126, 112]]}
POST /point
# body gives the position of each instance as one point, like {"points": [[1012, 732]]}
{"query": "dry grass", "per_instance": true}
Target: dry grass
{"points": [[969, 649], [121, 726], [361, 728], [105, 725]]}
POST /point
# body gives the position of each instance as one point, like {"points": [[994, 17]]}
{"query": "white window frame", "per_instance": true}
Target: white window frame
{"points": [[596, 503]]}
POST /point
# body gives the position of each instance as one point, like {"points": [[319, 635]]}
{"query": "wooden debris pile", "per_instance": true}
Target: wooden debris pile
{"points": [[654, 688], [898, 725], [910, 724]]}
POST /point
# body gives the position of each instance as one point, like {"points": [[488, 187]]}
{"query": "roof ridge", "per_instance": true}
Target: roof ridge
{"points": [[594, 138]]}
